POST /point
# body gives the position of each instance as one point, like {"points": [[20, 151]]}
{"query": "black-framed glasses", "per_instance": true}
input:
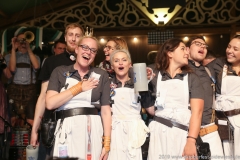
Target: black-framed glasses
{"points": [[108, 48], [86, 48], [199, 44]]}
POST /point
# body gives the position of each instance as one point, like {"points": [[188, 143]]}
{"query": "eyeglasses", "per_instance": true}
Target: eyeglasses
{"points": [[86, 48], [108, 48], [199, 44]]}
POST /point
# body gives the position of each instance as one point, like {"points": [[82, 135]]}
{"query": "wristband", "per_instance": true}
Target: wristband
{"points": [[192, 137]]}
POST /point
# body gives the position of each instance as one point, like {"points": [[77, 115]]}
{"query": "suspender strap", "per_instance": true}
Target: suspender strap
{"points": [[213, 87]]}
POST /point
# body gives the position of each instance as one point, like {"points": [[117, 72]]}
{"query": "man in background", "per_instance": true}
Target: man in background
{"points": [[23, 64], [208, 132], [209, 57], [73, 33], [58, 48]]}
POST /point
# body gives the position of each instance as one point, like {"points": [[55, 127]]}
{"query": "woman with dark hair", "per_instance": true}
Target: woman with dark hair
{"points": [[226, 72], [175, 128]]}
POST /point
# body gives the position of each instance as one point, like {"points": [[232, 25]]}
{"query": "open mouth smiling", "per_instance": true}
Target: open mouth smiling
{"points": [[86, 57]]}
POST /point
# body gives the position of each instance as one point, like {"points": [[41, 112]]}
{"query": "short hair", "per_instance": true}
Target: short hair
{"points": [[188, 44], [120, 43], [74, 25], [120, 50], [210, 54], [58, 41], [94, 38]]}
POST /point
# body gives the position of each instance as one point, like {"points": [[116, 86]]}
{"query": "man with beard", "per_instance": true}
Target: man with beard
{"points": [[23, 64], [73, 33]]}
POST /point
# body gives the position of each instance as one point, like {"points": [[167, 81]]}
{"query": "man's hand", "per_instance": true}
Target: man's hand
{"points": [[150, 74], [15, 43]]}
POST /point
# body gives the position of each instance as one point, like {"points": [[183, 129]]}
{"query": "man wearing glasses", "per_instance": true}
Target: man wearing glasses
{"points": [[73, 33], [208, 132]]}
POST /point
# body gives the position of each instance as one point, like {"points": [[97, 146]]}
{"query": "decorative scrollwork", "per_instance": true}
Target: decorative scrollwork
{"points": [[121, 13], [96, 14], [209, 12]]}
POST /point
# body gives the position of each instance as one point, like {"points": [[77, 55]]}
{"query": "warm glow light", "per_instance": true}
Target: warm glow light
{"points": [[135, 39], [205, 38], [102, 40], [161, 16], [185, 39]]}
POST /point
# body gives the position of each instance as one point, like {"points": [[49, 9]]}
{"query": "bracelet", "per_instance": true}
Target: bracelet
{"points": [[192, 137], [76, 88], [106, 143]]}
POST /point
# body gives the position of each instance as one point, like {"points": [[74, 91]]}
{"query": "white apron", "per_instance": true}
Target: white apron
{"points": [[128, 129], [172, 103], [73, 135], [229, 100]]}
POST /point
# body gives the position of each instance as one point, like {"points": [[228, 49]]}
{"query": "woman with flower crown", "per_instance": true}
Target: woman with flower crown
{"points": [[73, 91]]}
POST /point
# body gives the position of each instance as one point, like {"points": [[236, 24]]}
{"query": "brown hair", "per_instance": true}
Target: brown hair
{"points": [[188, 44], [162, 58], [74, 25], [120, 43], [236, 36], [58, 41]]}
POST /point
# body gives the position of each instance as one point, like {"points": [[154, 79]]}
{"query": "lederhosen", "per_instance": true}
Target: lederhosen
{"points": [[23, 96]]}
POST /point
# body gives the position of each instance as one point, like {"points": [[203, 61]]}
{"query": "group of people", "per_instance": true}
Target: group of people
{"points": [[192, 100], [181, 99]]}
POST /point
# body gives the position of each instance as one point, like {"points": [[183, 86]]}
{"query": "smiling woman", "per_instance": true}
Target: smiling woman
{"points": [[113, 44], [174, 124], [74, 91], [226, 72]]}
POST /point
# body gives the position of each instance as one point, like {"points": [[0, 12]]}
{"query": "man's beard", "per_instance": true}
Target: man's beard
{"points": [[70, 49]]}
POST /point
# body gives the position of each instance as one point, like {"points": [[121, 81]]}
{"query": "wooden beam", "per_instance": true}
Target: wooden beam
{"points": [[178, 31], [36, 12]]}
